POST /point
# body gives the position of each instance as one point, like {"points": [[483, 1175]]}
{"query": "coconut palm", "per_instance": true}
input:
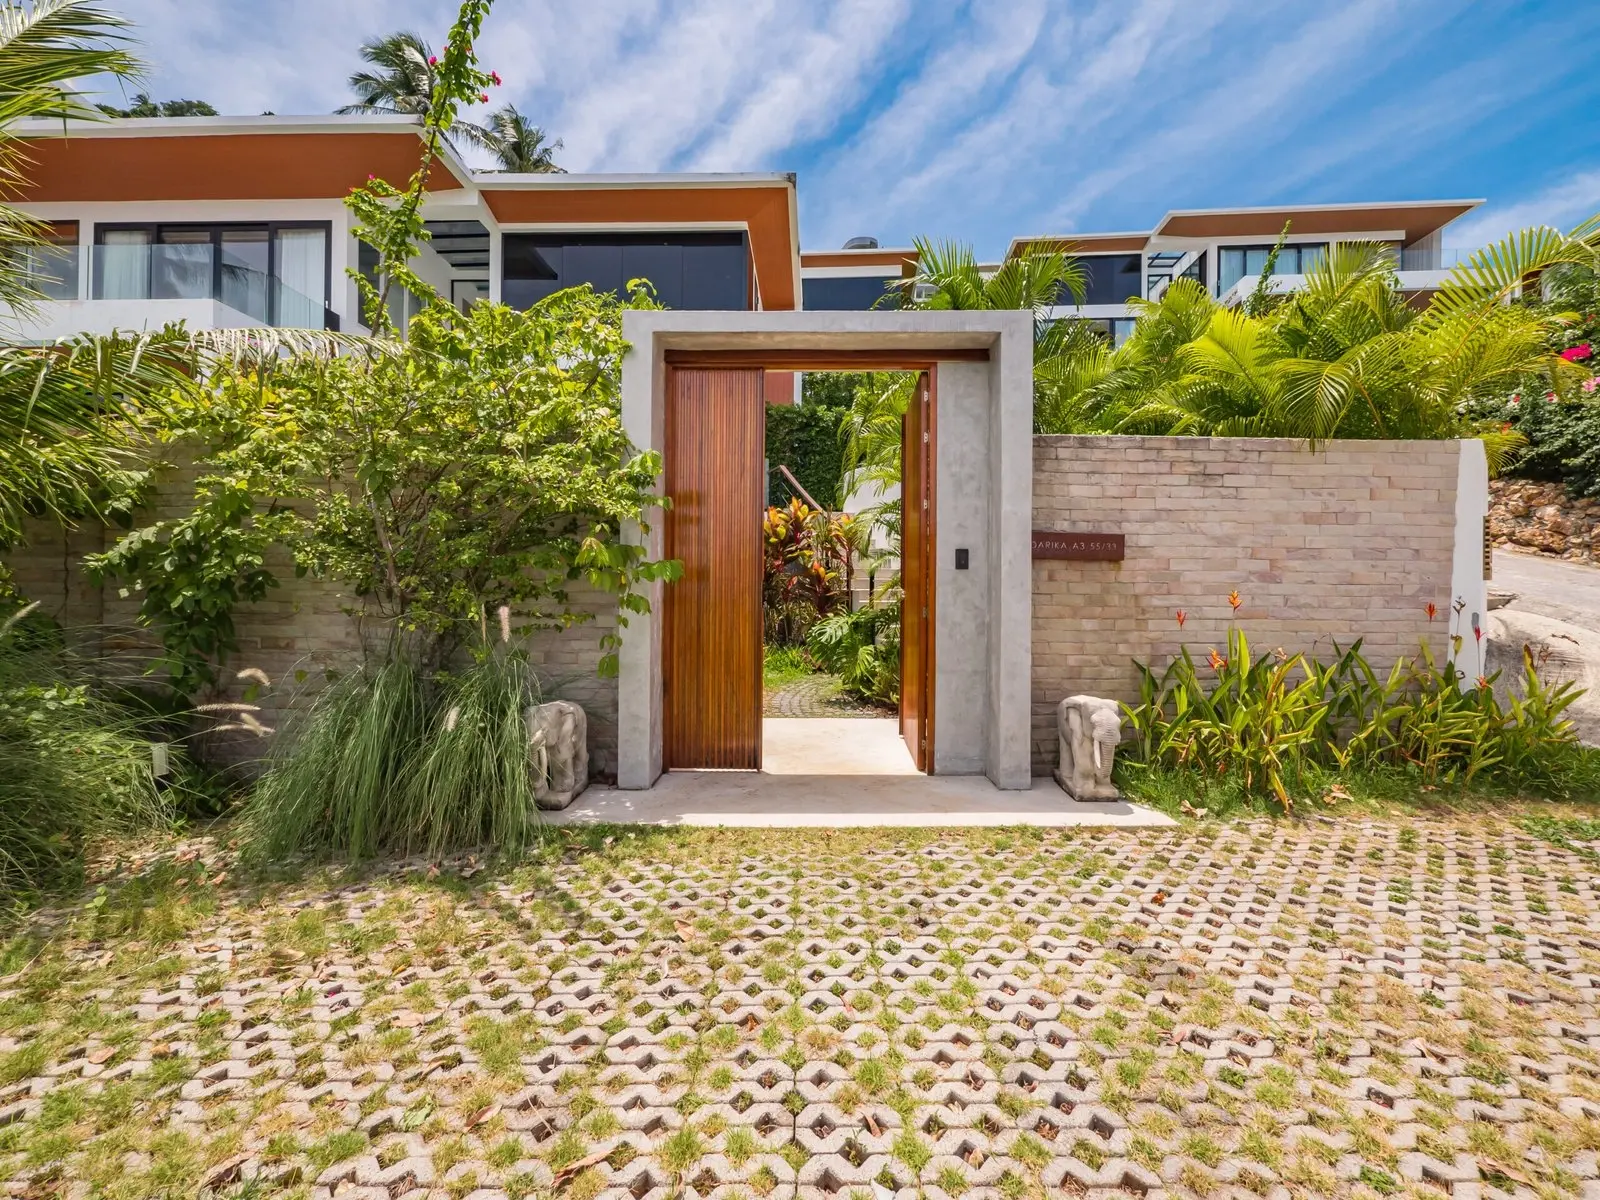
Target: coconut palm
{"points": [[44, 50], [517, 144], [402, 79]]}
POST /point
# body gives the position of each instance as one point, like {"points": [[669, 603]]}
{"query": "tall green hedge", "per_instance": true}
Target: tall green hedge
{"points": [[805, 438]]}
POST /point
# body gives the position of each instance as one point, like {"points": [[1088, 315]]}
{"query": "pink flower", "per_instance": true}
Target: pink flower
{"points": [[1549, 397], [1516, 399], [484, 97], [1577, 353], [433, 60], [494, 78], [1591, 383]]}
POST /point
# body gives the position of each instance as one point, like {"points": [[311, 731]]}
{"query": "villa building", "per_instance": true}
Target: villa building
{"points": [[240, 221]]}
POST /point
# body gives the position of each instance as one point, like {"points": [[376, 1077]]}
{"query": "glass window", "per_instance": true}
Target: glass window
{"points": [[182, 265], [276, 274], [300, 278], [1241, 261], [687, 270], [1112, 279], [245, 254], [122, 265], [849, 293]]}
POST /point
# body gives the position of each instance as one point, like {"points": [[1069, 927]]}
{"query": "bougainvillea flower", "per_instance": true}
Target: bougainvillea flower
{"points": [[1182, 617], [1577, 353], [1233, 599], [1591, 383], [494, 78], [433, 60]]}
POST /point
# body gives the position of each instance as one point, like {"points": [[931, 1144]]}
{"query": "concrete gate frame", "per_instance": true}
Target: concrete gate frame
{"points": [[984, 465]]}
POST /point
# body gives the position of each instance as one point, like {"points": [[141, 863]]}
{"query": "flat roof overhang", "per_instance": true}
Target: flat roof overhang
{"points": [[1417, 218], [208, 158], [762, 204]]}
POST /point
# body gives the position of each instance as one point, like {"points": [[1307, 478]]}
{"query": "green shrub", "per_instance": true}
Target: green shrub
{"points": [[72, 769], [1277, 721], [863, 649], [1563, 441], [389, 759]]}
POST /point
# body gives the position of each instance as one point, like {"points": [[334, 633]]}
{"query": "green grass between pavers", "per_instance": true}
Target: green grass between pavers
{"points": [[856, 895]]}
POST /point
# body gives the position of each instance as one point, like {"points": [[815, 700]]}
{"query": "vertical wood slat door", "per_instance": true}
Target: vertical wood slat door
{"points": [[916, 575], [711, 618]]}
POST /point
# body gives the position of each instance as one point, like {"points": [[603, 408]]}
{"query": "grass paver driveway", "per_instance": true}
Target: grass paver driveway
{"points": [[1353, 1008]]}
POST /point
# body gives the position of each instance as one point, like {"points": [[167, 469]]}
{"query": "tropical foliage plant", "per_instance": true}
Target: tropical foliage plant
{"points": [[399, 78], [1269, 719], [863, 649], [806, 569], [1346, 356]]}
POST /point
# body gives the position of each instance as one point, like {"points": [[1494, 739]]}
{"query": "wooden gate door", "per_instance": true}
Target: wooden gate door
{"points": [[917, 559], [711, 618]]}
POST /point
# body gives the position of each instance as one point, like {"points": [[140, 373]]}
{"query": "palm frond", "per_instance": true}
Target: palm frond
{"points": [[46, 48]]}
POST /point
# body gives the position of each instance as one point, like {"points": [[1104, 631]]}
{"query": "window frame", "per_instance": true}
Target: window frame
{"points": [[216, 229], [1244, 248]]}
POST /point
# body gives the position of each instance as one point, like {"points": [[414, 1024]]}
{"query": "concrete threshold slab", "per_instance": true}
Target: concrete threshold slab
{"points": [[756, 800]]}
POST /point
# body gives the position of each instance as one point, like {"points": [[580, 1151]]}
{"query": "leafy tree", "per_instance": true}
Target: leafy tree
{"points": [[143, 106], [403, 77], [517, 144]]}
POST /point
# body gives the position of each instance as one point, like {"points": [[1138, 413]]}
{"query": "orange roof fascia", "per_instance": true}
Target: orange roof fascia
{"points": [[1088, 243], [763, 210], [1415, 220], [224, 166], [857, 258]]}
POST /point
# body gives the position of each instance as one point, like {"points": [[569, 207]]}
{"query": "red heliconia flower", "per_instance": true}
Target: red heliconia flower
{"points": [[1431, 609], [1483, 681], [1477, 632], [1216, 660], [1182, 617], [1233, 599]]}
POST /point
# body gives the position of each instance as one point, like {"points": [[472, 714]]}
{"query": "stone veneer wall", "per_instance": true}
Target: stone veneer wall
{"points": [[302, 626], [1546, 517], [1351, 540]]}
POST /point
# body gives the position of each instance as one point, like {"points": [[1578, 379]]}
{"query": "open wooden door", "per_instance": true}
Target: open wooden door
{"points": [[711, 617], [917, 560]]}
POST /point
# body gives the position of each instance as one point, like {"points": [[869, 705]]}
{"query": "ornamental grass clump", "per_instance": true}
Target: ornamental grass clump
{"points": [[394, 759], [73, 769]]}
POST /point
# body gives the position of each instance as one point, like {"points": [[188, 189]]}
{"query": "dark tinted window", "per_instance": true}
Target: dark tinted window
{"points": [[1113, 278], [688, 270], [851, 293]]}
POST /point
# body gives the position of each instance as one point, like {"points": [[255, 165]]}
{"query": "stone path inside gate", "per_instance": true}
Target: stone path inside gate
{"points": [[1354, 1008]]}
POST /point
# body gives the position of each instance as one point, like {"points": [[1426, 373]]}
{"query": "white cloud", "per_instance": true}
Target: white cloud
{"points": [[1562, 204]]}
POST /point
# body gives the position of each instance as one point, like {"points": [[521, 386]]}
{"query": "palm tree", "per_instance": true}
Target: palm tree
{"points": [[517, 143], [949, 276], [402, 81], [1344, 357], [44, 51]]}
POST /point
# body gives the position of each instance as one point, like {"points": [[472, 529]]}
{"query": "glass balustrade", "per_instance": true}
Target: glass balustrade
{"points": [[190, 271]]}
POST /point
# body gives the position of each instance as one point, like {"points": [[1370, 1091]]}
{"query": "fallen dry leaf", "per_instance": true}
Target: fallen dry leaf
{"points": [[685, 931], [102, 1055], [482, 1115], [564, 1176]]}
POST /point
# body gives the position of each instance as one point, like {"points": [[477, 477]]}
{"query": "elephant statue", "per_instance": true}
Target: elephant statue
{"points": [[558, 751], [1089, 729]]}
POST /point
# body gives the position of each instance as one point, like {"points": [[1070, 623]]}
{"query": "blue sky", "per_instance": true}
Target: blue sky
{"points": [[984, 121]]}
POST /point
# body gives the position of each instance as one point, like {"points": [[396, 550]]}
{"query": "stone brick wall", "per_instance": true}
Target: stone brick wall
{"points": [[300, 632], [1351, 540]]}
